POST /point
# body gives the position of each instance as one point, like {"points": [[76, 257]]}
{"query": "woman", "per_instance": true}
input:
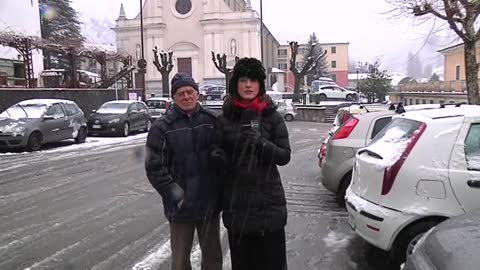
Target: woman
{"points": [[253, 139]]}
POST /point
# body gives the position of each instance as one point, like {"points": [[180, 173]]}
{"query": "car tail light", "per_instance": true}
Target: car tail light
{"points": [[345, 117], [391, 172], [347, 128], [323, 150]]}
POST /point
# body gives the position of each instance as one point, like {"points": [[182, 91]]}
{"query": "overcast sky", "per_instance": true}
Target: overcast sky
{"points": [[364, 24]]}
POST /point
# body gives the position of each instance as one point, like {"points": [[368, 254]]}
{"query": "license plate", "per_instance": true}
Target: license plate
{"points": [[96, 126], [351, 221]]}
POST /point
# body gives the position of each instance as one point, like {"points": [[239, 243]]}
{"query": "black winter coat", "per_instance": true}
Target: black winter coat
{"points": [[253, 198], [177, 164]]}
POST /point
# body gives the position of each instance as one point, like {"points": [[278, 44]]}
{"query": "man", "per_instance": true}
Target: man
{"points": [[178, 146]]}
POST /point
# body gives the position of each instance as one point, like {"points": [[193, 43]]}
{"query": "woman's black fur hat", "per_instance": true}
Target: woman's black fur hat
{"points": [[251, 68]]}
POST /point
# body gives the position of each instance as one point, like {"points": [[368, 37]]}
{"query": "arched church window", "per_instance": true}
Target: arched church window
{"points": [[183, 6]]}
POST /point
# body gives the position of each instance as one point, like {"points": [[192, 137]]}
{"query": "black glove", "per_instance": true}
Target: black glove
{"points": [[218, 156], [252, 136]]}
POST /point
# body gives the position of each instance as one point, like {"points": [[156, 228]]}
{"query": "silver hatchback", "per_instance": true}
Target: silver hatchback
{"points": [[340, 148], [286, 109]]}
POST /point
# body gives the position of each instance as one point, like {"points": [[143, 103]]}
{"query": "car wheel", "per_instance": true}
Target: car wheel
{"points": [[407, 239], [342, 188], [126, 129], [34, 141], [81, 136], [349, 98], [289, 117], [148, 126], [322, 97]]}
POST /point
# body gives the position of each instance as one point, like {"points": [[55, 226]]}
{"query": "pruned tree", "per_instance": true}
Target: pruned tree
{"points": [[376, 85], [461, 16], [310, 64], [220, 62], [164, 63], [314, 49]]}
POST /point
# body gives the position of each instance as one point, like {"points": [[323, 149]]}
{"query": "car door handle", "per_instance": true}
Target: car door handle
{"points": [[473, 183]]}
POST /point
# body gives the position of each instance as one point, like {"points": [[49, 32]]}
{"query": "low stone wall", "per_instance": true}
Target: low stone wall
{"points": [[87, 99], [310, 113]]}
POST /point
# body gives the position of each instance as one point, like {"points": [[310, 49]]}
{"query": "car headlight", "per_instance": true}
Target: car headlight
{"points": [[114, 121], [15, 131]]}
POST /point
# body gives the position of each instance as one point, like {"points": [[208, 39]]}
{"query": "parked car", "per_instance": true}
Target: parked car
{"points": [[421, 169], [453, 244], [286, 109], [357, 125], [324, 92], [31, 123], [120, 117], [213, 92], [158, 106], [321, 81], [338, 153]]}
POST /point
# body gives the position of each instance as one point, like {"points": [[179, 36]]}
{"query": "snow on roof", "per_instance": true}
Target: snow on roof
{"points": [[89, 73], [122, 101], [107, 48], [45, 101], [449, 111], [353, 76], [276, 70]]}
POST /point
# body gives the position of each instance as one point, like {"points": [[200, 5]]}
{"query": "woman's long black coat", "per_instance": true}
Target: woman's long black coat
{"points": [[253, 198]]}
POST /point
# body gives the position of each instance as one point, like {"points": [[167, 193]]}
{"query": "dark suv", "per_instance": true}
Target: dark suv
{"points": [[31, 123]]}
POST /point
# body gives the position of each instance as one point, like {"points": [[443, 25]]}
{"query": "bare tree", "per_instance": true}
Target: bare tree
{"points": [[310, 65], [461, 16], [221, 64], [164, 66]]}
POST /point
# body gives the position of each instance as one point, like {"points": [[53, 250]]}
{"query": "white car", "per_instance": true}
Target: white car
{"points": [[286, 109], [325, 92], [421, 169], [158, 106]]}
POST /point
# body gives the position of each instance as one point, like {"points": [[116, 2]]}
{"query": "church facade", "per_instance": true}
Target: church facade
{"points": [[192, 29]]}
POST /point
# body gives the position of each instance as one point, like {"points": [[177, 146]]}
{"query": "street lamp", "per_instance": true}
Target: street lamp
{"points": [[142, 63]]}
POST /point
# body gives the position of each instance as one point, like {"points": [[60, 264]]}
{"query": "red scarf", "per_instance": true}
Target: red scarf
{"points": [[258, 105]]}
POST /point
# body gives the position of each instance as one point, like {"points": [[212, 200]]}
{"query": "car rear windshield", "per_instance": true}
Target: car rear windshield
{"points": [[393, 139], [113, 108], [24, 111]]}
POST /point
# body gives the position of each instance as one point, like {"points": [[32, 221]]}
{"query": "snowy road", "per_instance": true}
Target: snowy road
{"points": [[90, 206]]}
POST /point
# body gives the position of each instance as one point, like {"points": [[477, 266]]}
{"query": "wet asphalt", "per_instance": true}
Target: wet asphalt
{"points": [[93, 208]]}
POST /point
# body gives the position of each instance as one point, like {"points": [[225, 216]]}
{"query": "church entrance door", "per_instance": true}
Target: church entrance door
{"points": [[185, 65]]}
